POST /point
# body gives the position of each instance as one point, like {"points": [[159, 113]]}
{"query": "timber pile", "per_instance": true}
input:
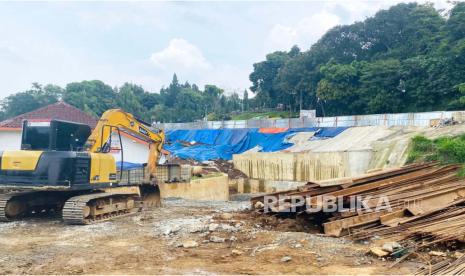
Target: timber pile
{"points": [[424, 205]]}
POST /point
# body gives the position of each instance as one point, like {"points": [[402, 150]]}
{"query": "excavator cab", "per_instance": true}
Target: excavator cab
{"points": [[52, 156], [54, 135]]}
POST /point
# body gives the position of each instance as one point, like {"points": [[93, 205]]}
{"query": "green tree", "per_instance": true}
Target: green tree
{"points": [[338, 88], [405, 58], [245, 100], [170, 93], [129, 99], [187, 105], [456, 23], [264, 75], [381, 86], [211, 98], [36, 97], [94, 97]]}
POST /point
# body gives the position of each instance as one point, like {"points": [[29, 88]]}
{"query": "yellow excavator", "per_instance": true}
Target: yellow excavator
{"points": [[66, 168]]}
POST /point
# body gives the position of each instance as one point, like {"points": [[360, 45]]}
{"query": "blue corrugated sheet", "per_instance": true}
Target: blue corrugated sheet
{"points": [[212, 144]]}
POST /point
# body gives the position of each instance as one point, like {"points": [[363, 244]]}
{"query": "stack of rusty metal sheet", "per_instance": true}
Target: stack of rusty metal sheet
{"points": [[422, 204], [329, 186]]}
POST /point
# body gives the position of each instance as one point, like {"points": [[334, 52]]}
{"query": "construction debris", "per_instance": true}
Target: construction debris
{"points": [[190, 244], [226, 216], [413, 207], [391, 247], [236, 252], [217, 239], [200, 169], [228, 168], [444, 268], [437, 253], [378, 251]]}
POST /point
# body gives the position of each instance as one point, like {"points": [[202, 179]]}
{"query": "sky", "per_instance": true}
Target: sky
{"points": [[215, 42]]}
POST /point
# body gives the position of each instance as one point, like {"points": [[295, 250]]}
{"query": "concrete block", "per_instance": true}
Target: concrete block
{"points": [[254, 186], [208, 188], [241, 184], [272, 186]]}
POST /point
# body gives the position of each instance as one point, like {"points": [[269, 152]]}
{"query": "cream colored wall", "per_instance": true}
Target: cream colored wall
{"points": [[211, 188], [309, 166]]}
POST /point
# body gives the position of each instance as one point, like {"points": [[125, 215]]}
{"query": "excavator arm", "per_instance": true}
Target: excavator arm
{"points": [[114, 120]]}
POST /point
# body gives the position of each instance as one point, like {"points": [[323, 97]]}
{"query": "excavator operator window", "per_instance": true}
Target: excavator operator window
{"points": [[36, 136], [69, 136], [54, 135]]}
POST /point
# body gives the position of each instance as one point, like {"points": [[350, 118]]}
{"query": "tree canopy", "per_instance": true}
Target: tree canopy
{"points": [[175, 103], [407, 58]]}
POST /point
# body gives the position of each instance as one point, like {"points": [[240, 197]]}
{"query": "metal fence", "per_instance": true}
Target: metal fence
{"points": [[395, 119]]}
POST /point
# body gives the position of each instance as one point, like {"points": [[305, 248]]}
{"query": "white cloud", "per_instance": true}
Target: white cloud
{"points": [[188, 62], [304, 33], [229, 77], [180, 54]]}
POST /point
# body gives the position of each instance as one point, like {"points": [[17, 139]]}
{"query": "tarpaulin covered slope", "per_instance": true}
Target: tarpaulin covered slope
{"points": [[212, 144]]}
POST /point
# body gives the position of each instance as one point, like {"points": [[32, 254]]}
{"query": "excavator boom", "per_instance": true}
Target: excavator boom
{"points": [[115, 119], [118, 120]]}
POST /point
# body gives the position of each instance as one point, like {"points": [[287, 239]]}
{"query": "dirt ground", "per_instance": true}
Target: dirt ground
{"points": [[225, 239]]}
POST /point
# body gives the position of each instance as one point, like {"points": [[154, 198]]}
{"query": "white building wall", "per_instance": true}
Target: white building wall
{"points": [[10, 140], [134, 151]]}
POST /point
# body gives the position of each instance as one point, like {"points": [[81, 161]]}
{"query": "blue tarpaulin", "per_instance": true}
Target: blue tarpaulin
{"points": [[209, 136], [128, 165], [212, 144]]}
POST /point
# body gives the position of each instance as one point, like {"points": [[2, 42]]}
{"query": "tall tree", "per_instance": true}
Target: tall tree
{"points": [[37, 96], [264, 75], [405, 58], [171, 92], [129, 98], [94, 97], [245, 100]]}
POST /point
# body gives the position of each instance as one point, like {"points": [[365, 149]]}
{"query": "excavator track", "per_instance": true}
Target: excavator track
{"points": [[93, 208], [17, 205], [4, 198]]}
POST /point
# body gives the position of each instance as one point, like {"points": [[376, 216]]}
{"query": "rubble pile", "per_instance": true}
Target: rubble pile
{"points": [[206, 167], [227, 167]]}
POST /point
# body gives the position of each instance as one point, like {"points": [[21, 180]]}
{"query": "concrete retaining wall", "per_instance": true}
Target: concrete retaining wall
{"points": [[211, 188], [309, 166]]}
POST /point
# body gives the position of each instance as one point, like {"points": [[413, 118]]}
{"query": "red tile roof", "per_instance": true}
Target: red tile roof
{"points": [[59, 111]]}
